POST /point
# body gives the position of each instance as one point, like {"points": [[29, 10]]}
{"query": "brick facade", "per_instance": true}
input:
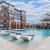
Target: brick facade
{"points": [[7, 17]]}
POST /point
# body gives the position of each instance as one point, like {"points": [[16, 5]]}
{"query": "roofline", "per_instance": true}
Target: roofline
{"points": [[6, 3], [23, 11], [13, 6], [17, 9], [46, 20]]}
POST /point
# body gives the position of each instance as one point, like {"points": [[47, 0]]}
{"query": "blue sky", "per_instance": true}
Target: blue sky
{"points": [[35, 9]]}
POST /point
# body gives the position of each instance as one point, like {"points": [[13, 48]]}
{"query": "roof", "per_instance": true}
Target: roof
{"points": [[12, 5], [19, 10], [6, 3], [16, 9], [46, 20], [23, 11], [47, 17]]}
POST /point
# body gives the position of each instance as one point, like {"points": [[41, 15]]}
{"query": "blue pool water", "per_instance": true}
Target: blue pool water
{"points": [[39, 35]]}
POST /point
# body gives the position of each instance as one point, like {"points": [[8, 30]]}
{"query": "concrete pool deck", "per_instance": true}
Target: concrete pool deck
{"points": [[43, 45], [6, 45]]}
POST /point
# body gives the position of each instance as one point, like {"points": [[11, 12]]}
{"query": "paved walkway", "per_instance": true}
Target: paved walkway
{"points": [[6, 45], [44, 45]]}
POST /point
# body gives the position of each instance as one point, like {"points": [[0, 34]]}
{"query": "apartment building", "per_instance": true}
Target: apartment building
{"points": [[11, 18]]}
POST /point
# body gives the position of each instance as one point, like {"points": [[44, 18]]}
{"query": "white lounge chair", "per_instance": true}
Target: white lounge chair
{"points": [[3, 32], [26, 37], [15, 35]]}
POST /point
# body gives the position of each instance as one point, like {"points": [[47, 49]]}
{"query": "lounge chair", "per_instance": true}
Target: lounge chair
{"points": [[3, 32], [15, 35], [27, 37]]}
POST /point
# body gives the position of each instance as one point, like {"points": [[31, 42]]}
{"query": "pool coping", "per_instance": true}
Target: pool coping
{"points": [[33, 47], [11, 44], [19, 48]]}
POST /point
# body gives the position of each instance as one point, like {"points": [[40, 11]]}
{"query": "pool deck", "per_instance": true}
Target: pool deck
{"points": [[6, 45], [43, 45]]}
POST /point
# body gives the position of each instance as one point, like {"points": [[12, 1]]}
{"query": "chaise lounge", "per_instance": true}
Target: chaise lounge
{"points": [[27, 37]]}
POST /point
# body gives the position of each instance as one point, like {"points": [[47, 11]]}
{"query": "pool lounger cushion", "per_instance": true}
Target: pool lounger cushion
{"points": [[15, 35], [27, 37]]}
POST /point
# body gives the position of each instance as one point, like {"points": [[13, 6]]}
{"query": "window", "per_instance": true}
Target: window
{"points": [[23, 14], [11, 11], [17, 15], [1, 22], [4, 9], [11, 16], [5, 21], [5, 15]]}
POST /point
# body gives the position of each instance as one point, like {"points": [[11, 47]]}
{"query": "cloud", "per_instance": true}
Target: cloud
{"points": [[42, 0], [23, 6], [32, 12], [8, 1]]}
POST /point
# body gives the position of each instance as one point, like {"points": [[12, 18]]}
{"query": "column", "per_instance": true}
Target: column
{"points": [[16, 25], [9, 25], [19, 25]]}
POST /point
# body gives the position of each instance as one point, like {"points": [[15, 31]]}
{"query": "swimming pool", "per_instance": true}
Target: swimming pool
{"points": [[39, 35]]}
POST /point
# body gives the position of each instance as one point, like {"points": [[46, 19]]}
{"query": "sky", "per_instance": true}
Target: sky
{"points": [[35, 9]]}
